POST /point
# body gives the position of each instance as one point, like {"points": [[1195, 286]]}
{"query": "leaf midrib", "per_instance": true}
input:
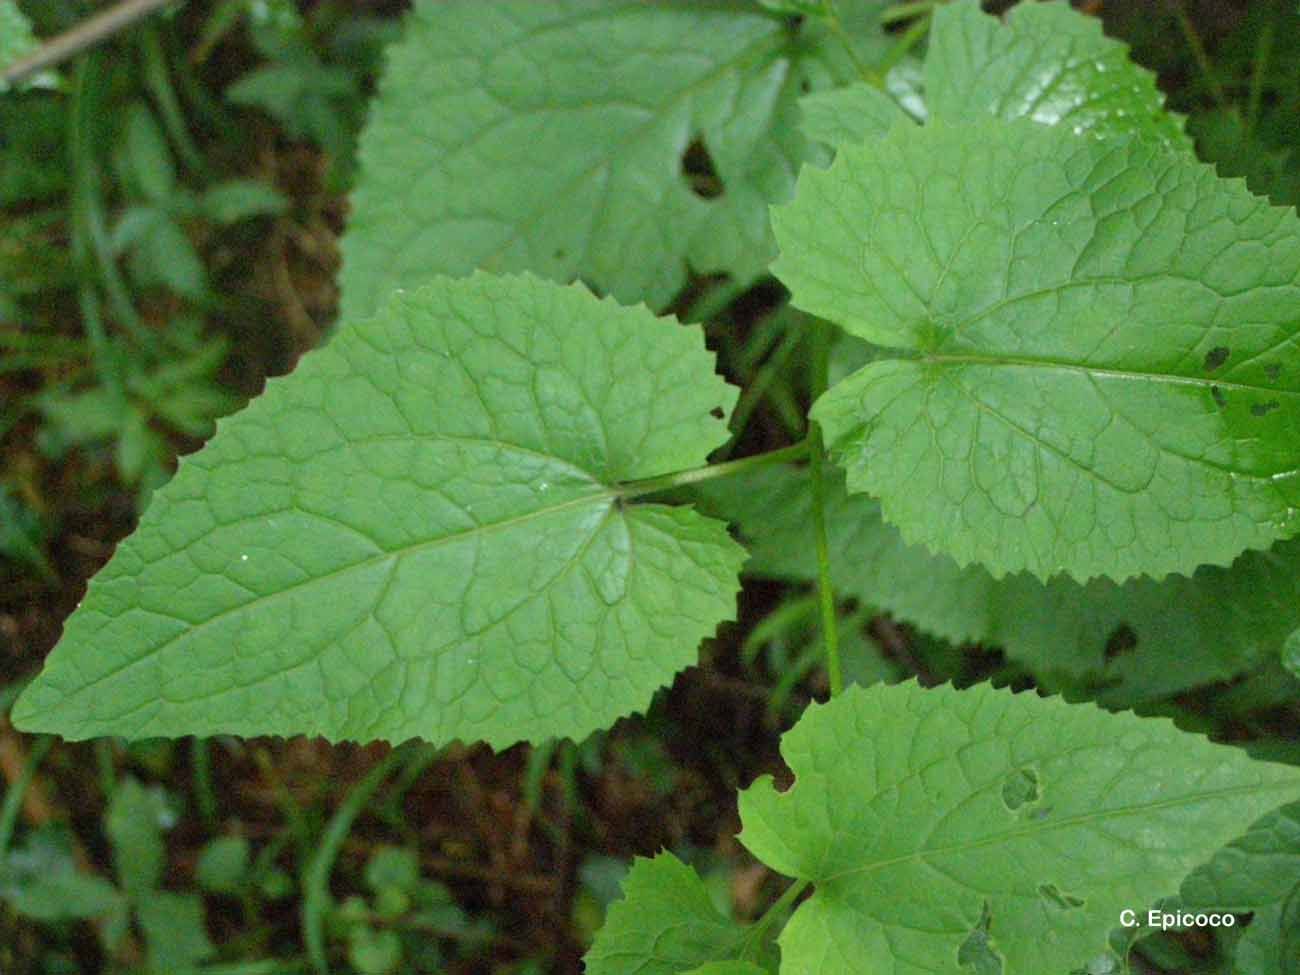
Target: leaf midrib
{"points": [[1046, 827], [607, 495], [1056, 365]]}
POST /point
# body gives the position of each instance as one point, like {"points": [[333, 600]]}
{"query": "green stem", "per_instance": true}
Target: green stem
{"points": [[758, 932], [911, 37], [758, 387], [871, 76], [13, 800], [316, 877], [906, 11], [204, 794], [1263, 51], [665, 482], [160, 85], [816, 465], [90, 243], [1198, 51]]}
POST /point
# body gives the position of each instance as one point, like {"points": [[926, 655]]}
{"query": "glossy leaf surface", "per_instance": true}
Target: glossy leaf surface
{"points": [[665, 925], [418, 533], [1131, 641], [616, 142], [939, 824], [1098, 372]]}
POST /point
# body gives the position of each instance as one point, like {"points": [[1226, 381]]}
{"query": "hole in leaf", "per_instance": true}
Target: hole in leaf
{"points": [[1273, 372], [977, 954], [1020, 788], [1123, 640], [717, 413], [699, 172], [1264, 409], [1216, 357], [1058, 898], [1219, 399]]}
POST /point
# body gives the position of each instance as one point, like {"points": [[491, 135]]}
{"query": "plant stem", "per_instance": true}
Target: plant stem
{"points": [[85, 35], [762, 381], [832, 14], [316, 876], [205, 796], [90, 243], [756, 935], [13, 801], [1263, 50], [653, 485], [1198, 51], [160, 84], [905, 44], [816, 464], [906, 11]]}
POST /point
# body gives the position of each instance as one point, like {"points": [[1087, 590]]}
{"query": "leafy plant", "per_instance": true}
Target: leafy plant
{"points": [[468, 516], [41, 881]]}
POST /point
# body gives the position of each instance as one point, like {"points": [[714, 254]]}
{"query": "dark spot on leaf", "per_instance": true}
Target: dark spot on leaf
{"points": [[1273, 372], [1216, 357], [977, 954], [805, 86], [1123, 639], [1058, 898], [1264, 409], [1219, 399], [717, 413], [1020, 788], [560, 253], [699, 172]]}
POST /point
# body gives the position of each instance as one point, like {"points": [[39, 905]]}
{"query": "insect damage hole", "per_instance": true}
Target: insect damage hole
{"points": [[1216, 357], [1058, 898], [977, 954], [1265, 408], [1123, 639], [699, 172], [1020, 788]]}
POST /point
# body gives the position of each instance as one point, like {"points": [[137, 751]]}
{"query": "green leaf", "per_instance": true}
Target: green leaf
{"points": [[62, 895], [910, 817], [174, 930], [1257, 874], [393, 867], [149, 157], [1101, 377], [729, 968], [420, 533], [165, 256], [1048, 63], [1174, 634], [22, 537], [665, 924], [850, 115], [223, 865], [242, 199], [374, 952], [134, 825], [616, 142], [1291, 652], [16, 39]]}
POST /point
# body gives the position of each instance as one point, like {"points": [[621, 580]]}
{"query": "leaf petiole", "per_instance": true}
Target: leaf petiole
{"points": [[816, 462], [665, 482], [757, 934]]}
